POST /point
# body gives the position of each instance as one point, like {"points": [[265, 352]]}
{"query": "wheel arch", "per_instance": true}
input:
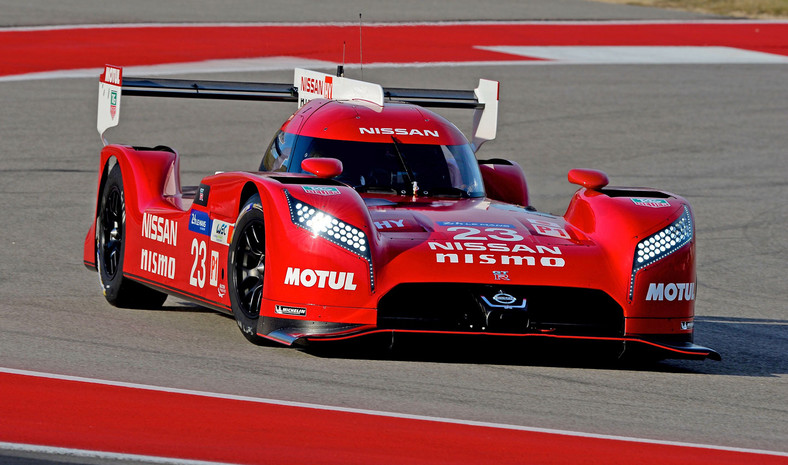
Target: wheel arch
{"points": [[89, 250], [249, 190], [148, 175]]}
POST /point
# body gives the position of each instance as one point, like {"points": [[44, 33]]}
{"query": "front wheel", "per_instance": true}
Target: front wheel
{"points": [[246, 265]]}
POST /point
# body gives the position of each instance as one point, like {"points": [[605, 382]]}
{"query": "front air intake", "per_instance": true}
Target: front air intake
{"points": [[461, 308]]}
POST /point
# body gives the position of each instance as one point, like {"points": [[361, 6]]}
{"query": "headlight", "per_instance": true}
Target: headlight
{"points": [[330, 228], [661, 244]]}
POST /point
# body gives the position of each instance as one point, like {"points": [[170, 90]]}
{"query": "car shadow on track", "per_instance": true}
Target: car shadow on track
{"points": [[180, 306], [489, 351], [749, 347]]}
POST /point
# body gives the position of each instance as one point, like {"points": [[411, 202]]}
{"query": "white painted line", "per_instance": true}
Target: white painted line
{"points": [[550, 57], [625, 54], [61, 27], [95, 454], [407, 416], [232, 66], [207, 66], [248, 65]]}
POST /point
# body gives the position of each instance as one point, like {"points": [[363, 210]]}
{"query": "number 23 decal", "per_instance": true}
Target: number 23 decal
{"points": [[197, 276], [476, 234]]}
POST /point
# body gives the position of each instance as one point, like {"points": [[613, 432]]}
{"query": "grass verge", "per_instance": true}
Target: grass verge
{"points": [[735, 8]]}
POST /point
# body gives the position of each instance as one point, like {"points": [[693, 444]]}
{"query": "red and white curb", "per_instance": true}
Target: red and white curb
{"points": [[82, 50], [60, 414]]}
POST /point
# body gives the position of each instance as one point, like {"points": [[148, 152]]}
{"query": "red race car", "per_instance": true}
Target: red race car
{"points": [[370, 213]]}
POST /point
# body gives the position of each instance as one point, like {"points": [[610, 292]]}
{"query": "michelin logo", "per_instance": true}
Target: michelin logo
{"points": [[286, 310]]}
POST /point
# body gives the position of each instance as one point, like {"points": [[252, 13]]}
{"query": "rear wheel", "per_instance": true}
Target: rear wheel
{"points": [[246, 264], [110, 246]]}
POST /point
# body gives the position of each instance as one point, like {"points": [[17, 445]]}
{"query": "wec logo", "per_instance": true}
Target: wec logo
{"points": [[221, 232]]}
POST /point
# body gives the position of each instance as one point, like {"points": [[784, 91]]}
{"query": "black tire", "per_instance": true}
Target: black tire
{"points": [[110, 247], [246, 268]]}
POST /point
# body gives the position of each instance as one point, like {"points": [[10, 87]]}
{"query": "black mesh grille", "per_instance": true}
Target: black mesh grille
{"points": [[459, 307]]}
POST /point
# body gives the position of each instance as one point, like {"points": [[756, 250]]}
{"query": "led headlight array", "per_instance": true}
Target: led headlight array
{"points": [[323, 224], [328, 227], [661, 244]]}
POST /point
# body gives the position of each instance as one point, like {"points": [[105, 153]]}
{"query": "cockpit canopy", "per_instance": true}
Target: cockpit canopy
{"points": [[386, 152], [378, 167]]}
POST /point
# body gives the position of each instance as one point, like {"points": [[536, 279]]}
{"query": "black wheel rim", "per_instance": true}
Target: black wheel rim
{"points": [[250, 268], [111, 232]]}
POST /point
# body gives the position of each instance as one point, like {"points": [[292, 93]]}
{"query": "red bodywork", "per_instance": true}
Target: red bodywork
{"points": [[434, 263]]}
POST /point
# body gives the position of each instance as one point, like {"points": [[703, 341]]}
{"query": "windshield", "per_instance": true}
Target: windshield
{"points": [[402, 169]]}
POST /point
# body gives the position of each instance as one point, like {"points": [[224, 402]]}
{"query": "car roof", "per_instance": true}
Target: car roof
{"points": [[361, 121]]}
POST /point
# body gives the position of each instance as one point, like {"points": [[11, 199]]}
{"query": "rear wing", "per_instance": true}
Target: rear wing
{"points": [[306, 86]]}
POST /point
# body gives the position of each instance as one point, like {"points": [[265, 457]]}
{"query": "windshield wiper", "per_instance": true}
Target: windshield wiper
{"points": [[408, 171]]}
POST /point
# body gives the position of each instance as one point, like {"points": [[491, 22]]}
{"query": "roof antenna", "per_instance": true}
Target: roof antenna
{"points": [[341, 68], [360, 57]]}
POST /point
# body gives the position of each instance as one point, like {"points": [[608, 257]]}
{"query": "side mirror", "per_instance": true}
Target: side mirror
{"points": [[322, 167], [590, 179]]}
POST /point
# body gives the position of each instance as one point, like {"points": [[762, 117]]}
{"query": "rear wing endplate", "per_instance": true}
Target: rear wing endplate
{"points": [[307, 85], [109, 99]]}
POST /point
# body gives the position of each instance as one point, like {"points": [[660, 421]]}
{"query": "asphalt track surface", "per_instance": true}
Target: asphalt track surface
{"points": [[712, 133]]}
